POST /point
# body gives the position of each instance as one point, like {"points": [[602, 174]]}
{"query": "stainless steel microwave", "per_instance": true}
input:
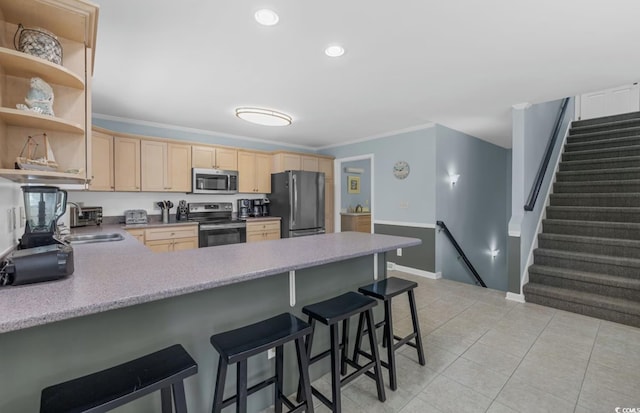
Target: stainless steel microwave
{"points": [[213, 181]]}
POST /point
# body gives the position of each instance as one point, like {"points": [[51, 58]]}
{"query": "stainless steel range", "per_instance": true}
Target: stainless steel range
{"points": [[216, 224]]}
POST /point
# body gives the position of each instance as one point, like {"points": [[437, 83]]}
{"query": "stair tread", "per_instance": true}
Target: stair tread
{"points": [[602, 182], [592, 240], [586, 276], [596, 194], [606, 119], [588, 257], [613, 123], [601, 160], [618, 304], [604, 132], [603, 150], [600, 171], [618, 139], [581, 222]]}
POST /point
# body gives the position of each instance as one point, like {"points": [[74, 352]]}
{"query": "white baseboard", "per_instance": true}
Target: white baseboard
{"points": [[414, 271], [519, 298]]}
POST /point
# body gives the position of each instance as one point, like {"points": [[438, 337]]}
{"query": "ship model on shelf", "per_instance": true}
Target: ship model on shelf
{"points": [[27, 159]]}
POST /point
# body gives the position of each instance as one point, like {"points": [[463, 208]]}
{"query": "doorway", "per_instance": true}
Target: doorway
{"points": [[354, 186], [608, 102]]}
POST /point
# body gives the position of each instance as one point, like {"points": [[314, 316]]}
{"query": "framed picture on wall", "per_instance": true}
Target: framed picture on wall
{"points": [[353, 183]]}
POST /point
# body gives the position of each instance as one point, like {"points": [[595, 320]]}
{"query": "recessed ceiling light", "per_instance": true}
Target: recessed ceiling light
{"points": [[265, 117], [334, 51], [267, 17]]}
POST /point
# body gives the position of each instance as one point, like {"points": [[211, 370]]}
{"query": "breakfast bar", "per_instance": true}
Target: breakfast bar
{"points": [[124, 300]]}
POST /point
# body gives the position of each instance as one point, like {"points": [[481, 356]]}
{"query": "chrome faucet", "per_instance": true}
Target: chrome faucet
{"points": [[78, 207]]}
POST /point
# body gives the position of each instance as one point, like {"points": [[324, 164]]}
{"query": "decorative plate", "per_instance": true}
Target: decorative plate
{"points": [[401, 169]]}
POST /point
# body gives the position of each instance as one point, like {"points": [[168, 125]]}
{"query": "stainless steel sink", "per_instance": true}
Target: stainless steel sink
{"points": [[88, 238]]}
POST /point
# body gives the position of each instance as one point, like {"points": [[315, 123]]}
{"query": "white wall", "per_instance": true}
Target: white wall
{"points": [[10, 198]]}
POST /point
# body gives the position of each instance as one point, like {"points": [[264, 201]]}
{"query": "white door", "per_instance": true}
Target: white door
{"points": [[608, 102]]}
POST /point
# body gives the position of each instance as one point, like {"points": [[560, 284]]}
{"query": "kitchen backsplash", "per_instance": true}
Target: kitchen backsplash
{"points": [[115, 203]]}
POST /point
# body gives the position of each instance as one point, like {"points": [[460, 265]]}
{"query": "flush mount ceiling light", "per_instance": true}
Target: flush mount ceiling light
{"points": [[334, 51], [267, 17], [265, 117]]}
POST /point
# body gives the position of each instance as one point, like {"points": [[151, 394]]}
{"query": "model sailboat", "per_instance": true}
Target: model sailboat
{"points": [[30, 162]]}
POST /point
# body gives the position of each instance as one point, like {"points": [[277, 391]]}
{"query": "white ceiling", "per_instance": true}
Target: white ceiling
{"points": [[407, 63]]}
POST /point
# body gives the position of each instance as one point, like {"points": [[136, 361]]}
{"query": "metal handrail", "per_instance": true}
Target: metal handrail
{"points": [[462, 254], [537, 184]]}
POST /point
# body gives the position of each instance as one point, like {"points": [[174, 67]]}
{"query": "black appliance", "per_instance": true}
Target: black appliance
{"points": [[244, 208], [256, 208], [43, 206], [298, 198], [215, 224], [38, 264], [182, 211]]}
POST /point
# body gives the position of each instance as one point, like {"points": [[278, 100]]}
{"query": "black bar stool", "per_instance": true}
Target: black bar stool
{"points": [[236, 346], [105, 390], [385, 290], [330, 312]]}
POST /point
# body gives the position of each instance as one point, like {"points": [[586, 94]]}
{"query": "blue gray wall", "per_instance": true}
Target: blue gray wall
{"points": [[474, 209], [417, 191], [364, 197], [532, 127]]}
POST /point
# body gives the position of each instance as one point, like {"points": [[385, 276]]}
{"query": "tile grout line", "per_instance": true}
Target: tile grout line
{"points": [[593, 346]]}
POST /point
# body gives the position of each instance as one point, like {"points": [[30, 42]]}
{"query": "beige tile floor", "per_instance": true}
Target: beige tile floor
{"points": [[487, 354]]}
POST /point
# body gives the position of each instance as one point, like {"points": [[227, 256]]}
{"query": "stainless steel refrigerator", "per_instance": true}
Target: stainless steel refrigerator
{"points": [[298, 198]]}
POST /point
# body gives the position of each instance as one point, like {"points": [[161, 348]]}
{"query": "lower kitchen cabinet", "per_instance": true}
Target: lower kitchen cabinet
{"points": [[263, 230], [175, 238], [137, 234], [355, 222]]}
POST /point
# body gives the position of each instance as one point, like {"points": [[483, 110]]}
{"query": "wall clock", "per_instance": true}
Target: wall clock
{"points": [[401, 169]]}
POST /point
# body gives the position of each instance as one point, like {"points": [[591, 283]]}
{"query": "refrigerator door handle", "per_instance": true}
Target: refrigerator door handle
{"points": [[295, 198]]}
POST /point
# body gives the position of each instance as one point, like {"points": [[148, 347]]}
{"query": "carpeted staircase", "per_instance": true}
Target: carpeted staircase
{"points": [[588, 255]]}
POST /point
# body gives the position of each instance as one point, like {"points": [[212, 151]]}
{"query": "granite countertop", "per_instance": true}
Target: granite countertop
{"points": [[118, 274]]}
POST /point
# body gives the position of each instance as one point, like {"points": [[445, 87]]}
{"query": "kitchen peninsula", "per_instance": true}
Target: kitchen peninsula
{"points": [[124, 301]]}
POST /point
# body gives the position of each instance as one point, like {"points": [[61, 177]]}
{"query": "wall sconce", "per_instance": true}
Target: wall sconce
{"points": [[453, 178], [494, 253], [354, 170]]}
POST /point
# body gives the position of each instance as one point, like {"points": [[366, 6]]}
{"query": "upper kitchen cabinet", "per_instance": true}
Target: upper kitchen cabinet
{"points": [[254, 172], [286, 161], [126, 161], [214, 157], [325, 165], [73, 23], [102, 162], [165, 166]]}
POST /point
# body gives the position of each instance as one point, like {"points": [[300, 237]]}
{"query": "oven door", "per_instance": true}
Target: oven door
{"points": [[211, 235]]}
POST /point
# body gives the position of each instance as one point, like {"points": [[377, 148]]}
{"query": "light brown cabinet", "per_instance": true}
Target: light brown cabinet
{"points": [[355, 222], [254, 172], [329, 216], [137, 234], [126, 155], [74, 24], [165, 166], [102, 177], [263, 230], [214, 157], [174, 238], [325, 165], [309, 163], [285, 161]]}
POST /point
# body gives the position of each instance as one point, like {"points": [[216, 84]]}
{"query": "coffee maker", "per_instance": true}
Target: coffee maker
{"points": [[182, 211], [244, 208], [257, 207], [43, 206]]}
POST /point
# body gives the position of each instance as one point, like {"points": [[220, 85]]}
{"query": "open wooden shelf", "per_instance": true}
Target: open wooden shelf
{"points": [[29, 177], [26, 119], [24, 65]]}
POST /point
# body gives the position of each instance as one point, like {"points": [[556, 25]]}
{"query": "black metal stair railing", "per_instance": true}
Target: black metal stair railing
{"points": [[537, 184], [479, 280]]}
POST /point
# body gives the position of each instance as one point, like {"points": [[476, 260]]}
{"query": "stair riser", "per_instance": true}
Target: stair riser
{"points": [[600, 164], [597, 176], [594, 201], [635, 123], [606, 119], [590, 248], [602, 313], [594, 216], [586, 146], [602, 136], [576, 285], [583, 156], [589, 266], [572, 188], [592, 231]]}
